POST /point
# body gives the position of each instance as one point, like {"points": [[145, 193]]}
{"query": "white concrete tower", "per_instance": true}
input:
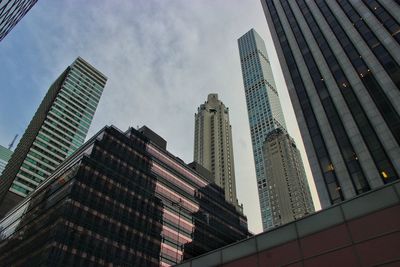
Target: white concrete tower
{"points": [[213, 144], [288, 188]]}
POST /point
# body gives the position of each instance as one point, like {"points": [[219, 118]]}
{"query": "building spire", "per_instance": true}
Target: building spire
{"points": [[11, 145]]}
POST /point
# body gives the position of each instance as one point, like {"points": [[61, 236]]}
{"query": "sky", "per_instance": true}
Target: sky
{"points": [[162, 59]]}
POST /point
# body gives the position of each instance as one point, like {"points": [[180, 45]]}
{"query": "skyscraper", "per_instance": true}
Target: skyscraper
{"points": [[340, 60], [57, 129], [5, 155], [287, 181], [120, 200], [11, 12], [265, 116], [213, 147]]}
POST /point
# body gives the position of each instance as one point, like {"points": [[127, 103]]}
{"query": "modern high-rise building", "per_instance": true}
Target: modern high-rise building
{"points": [[340, 60], [5, 155], [120, 200], [265, 116], [288, 189], [11, 12], [57, 129], [213, 147]]}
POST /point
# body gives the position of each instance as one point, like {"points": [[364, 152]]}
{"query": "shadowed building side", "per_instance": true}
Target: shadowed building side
{"points": [[121, 199], [341, 64], [211, 231], [98, 208]]}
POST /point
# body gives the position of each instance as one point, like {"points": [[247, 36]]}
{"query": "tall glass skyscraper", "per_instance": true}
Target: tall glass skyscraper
{"points": [[263, 107], [213, 147], [11, 12], [341, 63], [57, 129]]}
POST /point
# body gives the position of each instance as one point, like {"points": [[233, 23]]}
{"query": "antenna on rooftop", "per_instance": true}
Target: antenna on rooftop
{"points": [[12, 142]]}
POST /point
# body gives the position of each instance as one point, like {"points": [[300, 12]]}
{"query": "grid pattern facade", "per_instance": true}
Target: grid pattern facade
{"points": [[11, 12], [288, 187], [5, 155], [65, 127], [213, 147], [196, 216], [57, 129], [119, 200], [341, 64], [263, 107]]}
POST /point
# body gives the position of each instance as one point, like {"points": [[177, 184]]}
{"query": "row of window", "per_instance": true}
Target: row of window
{"points": [[346, 148], [381, 100], [379, 50], [323, 157], [374, 89]]}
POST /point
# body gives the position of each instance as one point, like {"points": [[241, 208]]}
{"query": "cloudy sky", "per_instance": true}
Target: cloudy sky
{"points": [[162, 59]]}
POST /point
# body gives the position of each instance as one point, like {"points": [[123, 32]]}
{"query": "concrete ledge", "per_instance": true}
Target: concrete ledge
{"points": [[360, 206], [276, 237], [239, 250], [210, 259], [319, 221], [370, 202]]}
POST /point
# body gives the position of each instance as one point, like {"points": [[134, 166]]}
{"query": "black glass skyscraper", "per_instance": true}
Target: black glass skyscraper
{"points": [[120, 200], [340, 60]]}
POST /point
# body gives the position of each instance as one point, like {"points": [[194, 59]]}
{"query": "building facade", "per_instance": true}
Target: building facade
{"points": [[340, 60], [120, 200], [57, 129], [287, 181], [363, 231], [5, 155], [11, 12], [213, 147], [265, 116]]}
